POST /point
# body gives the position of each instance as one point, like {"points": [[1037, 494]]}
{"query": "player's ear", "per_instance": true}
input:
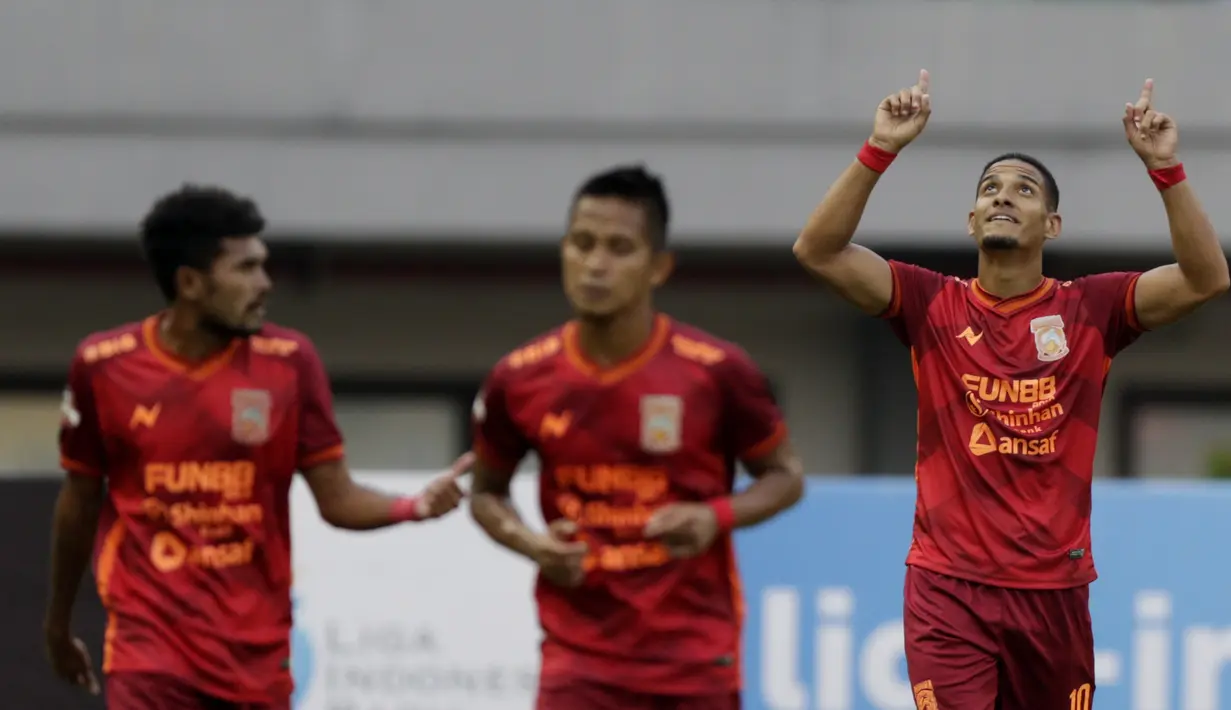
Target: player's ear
{"points": [[189, 283], [1052, 226], [970, 223], [663, 265]]}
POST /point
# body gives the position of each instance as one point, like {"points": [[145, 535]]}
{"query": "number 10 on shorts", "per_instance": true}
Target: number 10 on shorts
{"points": [[1079, 699]]}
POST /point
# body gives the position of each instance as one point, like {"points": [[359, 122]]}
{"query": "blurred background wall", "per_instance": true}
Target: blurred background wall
{"points": [[415, 160]]}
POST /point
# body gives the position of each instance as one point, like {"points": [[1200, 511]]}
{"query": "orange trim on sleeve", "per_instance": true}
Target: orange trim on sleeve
{"points": [[1130, 305], [77, 467], [333, 453], [895, 301], [914, 366], [767, 445]]}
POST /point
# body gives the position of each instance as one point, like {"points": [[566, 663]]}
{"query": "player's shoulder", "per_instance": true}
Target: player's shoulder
{"points": [[110, 345], [532, 357], [1105, 281], [695, 345], [279, 341]]}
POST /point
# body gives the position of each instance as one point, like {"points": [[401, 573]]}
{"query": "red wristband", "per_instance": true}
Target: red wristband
{"points": [[1168, 177], [875, 159], [723, 513], [406, 510]]}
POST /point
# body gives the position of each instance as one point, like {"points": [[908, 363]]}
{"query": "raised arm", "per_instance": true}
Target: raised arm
{"points": [[824, 246], [1168, 293]]}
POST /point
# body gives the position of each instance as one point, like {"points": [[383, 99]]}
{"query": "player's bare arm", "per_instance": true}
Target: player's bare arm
{"points": [[72, 542], [344, 503], [688, 529], [1168, 293], [824, 246], [557, 555]]}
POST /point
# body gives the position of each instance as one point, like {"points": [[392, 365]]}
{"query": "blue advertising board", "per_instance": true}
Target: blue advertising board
{"points": [[824, 591]]}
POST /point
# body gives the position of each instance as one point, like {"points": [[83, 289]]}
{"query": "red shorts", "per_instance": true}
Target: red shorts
{"points": [[977, 647], [155, 691], [585, 695]]}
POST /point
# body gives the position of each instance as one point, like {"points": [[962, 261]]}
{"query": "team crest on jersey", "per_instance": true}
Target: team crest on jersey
{"points": [[662, 418], [1049, 338], [250, 410]]}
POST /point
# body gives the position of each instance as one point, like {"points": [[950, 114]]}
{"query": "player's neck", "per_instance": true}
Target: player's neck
{"points": [[182, 334], [1010, 273], [612, 341]]}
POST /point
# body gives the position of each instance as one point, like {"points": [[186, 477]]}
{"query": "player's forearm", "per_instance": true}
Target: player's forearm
{"points": [[500, 520], [832, 225], [1194, 241], [74, 525], [361, 508], [769, 495]]}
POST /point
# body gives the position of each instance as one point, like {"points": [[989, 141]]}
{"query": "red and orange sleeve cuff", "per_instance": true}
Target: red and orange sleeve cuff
{"points": [[1130, 305], [337, 452], [77, 467], [895, 300], [766, 446]]}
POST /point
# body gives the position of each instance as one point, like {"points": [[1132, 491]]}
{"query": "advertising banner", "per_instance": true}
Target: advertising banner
{"points": [[436, 617]]}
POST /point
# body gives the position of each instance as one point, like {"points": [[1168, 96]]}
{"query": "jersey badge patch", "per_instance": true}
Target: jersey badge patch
{"points": [[250, 411], [662, 418], [1049, 338]]}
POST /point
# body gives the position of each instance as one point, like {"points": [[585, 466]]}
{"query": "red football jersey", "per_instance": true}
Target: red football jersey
{"points": [[193, 560], [614, 444], [1009, 398]]}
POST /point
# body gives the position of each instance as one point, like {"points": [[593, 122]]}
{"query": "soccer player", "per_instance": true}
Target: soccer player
{"points": [[637, 421], [180, 436], [1010, 368]]}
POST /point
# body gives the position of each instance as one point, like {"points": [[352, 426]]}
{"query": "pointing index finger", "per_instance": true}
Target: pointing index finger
{"points": [[1147, 94], [461, 466], [925, 80]]}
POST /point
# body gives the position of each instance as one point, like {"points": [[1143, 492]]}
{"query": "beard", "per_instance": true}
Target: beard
{"points": [[224, 330], [999, 243]]}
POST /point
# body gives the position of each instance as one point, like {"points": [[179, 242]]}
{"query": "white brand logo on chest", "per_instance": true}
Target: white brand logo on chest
{"points": [[662, 418], [250, 412], [1049, 339]]}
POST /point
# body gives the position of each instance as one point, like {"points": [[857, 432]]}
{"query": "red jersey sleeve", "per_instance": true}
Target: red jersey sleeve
{"points": [[914, 287], [1110, 302], [81, 438], [320, 440], [497, 439], [753, 423]]}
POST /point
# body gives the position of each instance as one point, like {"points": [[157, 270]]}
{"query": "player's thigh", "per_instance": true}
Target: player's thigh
{"points": [[151, 691], [717, 701], [951, 654], [587, 695], [1047, 651]]}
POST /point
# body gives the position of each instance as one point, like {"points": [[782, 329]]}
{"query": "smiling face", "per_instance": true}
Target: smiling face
{"points": [[1013, 209]]}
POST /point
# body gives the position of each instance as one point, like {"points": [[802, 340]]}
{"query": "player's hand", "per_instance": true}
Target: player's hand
{"points": [[1153, 135], [900, 118], [560, 556], [71, 661], [443, 494], [685, 529]]}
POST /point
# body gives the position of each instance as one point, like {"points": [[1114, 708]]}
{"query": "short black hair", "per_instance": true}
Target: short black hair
{"points": [[1049, 181], [186, 228], [637, 185]]}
